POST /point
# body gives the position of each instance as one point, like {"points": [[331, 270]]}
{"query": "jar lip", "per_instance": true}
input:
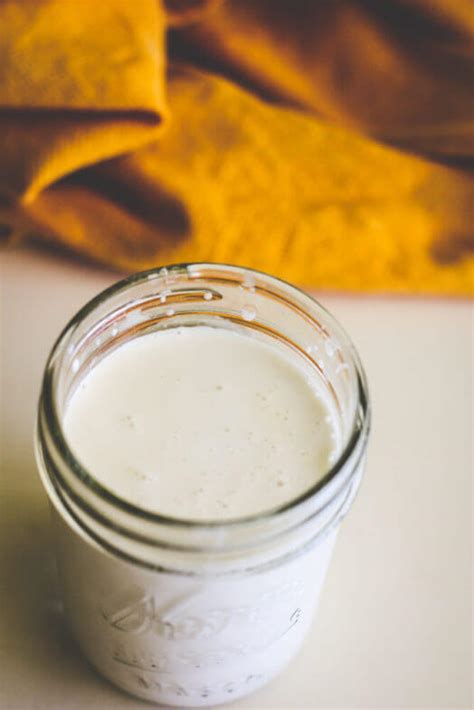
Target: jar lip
{"points": [[359, 429]]}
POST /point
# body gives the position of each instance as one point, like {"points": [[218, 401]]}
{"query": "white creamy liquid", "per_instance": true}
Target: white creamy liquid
{"points": [[202, 423]]}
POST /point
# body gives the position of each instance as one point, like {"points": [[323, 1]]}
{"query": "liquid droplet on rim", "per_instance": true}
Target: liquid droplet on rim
{"points": [[208, 296], [134, 317], [248, 313], [249, 282], [329, 347], [170, 311]]}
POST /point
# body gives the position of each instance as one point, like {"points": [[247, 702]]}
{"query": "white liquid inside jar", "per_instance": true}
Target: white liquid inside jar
{"points": [[203, 423]]}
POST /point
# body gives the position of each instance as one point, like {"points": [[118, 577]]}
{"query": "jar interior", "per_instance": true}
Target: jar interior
{"points": [[220, 297]]}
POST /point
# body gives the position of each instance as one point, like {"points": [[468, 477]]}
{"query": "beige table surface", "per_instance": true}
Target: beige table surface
{"points": [[394, 627]]}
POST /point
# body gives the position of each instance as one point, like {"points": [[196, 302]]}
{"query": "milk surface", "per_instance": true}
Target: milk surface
{"points": [[202, 423]]}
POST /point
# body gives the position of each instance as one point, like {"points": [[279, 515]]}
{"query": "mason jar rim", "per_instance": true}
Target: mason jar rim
{"points": [[48, 402]]}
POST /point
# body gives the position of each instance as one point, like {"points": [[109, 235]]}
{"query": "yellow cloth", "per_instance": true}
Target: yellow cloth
{"points": [[260, 136]]}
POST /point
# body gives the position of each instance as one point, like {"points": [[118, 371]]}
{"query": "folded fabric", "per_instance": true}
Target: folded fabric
{"points": [[330, 143]]}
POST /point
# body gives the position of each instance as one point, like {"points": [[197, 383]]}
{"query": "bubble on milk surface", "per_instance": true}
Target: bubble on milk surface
{"points": [[140, 475], [129, 421]]}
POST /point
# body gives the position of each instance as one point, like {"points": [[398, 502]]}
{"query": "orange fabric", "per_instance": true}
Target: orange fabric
{"points": [[266, 142]]}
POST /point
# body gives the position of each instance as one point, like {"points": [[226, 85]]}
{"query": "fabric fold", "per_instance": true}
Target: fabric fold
{"points": [[401, 71], [79, 82]]}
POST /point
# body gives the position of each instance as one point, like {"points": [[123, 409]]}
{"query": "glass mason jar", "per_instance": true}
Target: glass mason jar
{"points": [[183, 612]]}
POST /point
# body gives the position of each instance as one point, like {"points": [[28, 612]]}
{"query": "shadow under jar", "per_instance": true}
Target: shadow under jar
{"points": [[196, 612]]}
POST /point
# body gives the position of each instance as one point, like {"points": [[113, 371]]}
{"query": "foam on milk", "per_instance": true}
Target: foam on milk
{"points": [[202, 423]]}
